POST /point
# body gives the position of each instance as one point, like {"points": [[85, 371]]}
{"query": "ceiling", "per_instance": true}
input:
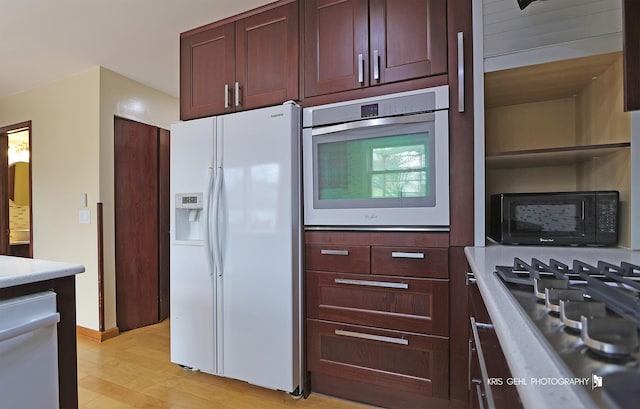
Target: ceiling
{"points": [[43, 40]]}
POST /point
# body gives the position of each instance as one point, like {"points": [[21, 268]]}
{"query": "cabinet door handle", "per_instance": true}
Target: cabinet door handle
{"points": [[331, 252], [481, 361], [237, 92], [226, 95], [460, 71], [360, 68], [381, 338], [376, 65], [400, 254], [367, 283]]}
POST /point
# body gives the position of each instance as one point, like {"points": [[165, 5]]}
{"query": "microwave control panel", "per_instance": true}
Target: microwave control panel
{"points": [[607, 210]]}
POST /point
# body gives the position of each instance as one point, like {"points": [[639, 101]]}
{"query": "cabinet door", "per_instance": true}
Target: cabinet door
{"points": [[410, 261], [267, 50], [504, 396], [408, 304], [395, 360], [207, 64], [408, 39], [340, 258], [336, 46]]}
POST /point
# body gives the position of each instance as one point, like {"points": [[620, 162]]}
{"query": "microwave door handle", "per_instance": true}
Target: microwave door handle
{"points": [[368, 123], [583, 210]]}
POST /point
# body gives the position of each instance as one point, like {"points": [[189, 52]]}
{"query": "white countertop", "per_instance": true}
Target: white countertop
{"points": [[527, 351], [19, 270]]}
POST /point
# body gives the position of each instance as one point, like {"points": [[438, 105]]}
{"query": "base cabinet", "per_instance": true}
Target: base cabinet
{"points": [[65, 289], [485, 350], [398, 360], [378, 317]]}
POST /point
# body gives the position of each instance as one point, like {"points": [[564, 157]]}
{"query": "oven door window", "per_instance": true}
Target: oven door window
{"points": [[385, 166], [557, 218]]}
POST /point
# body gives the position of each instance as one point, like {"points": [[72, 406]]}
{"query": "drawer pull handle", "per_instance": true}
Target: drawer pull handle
{"points": [[480, 395], [334, 252], [399, 254], [381, 338], [21, 329], [367, 283]]}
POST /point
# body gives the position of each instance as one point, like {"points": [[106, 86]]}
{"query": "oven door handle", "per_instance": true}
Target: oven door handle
{"points": [[367, 123]]}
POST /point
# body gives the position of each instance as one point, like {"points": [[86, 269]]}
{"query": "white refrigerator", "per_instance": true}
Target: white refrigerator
{"points": [[235, 246]]}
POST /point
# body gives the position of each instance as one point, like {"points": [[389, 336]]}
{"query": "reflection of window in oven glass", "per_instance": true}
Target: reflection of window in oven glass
{"points": [[546, 218], [384, 167], [399, 171]]}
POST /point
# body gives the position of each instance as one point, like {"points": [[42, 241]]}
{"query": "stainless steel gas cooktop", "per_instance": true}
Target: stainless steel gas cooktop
{"points": [[590, 316]]}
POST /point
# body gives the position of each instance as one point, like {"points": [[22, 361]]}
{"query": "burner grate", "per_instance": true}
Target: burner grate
{"points": [[616, 285], [526, 274]]}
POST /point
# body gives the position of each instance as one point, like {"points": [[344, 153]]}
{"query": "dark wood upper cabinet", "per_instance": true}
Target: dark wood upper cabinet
{"points": [[240, 64], [408, 39], [354, 44], [336, 43], [267, 55], [631, 36], [207, 66]]}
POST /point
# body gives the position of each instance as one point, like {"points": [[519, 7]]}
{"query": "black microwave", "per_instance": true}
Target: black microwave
{"points": [[555, 218]]}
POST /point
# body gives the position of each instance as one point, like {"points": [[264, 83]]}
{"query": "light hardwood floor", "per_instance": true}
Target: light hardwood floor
{"points": [[133, 370]]}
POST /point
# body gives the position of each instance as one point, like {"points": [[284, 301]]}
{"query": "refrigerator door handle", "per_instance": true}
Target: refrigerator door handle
{"points": [[216, 200], [207, 218]]}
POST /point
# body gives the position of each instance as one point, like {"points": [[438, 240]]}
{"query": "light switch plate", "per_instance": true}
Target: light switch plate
{"points": [[84, 216]]}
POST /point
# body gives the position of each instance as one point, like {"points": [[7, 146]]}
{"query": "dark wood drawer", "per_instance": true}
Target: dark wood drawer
{"points": [[339, 258], [410, 261], [409, 304], [389, 359]]}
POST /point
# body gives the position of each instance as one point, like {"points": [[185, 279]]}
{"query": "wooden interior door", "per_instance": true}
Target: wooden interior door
{"points": [[7, 185], [164, 195], [140, 216]]}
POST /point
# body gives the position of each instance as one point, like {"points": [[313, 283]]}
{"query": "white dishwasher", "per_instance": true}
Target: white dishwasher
{"points": [[29, 352]]}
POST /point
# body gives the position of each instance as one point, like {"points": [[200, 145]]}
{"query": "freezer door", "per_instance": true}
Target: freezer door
{"points": [[192, 282], [259, 234]]}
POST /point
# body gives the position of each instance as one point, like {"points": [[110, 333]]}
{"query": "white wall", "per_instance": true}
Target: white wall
{"points": [[72, 153], [65, 147]]}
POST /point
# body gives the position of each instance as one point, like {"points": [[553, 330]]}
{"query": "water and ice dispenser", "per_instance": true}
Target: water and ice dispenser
{"points": [[189, 217]]}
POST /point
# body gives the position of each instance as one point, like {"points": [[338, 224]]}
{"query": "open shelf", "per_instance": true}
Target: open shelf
{"points": [[551, 156]]}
